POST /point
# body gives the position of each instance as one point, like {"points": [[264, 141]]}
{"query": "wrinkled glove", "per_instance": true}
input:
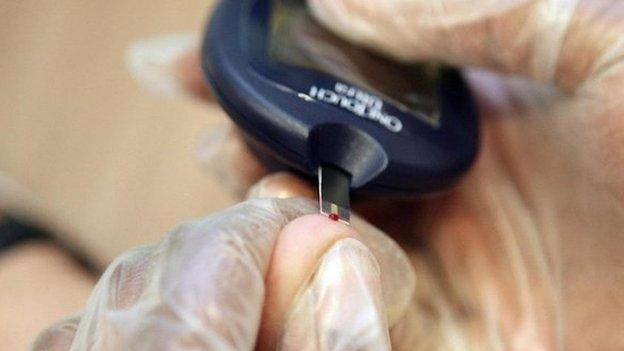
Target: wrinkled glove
{"points": [[213, 282]]}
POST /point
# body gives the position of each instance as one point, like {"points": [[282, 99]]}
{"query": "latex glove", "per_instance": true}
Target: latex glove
{"points": [[203, 288], [527, 252]]}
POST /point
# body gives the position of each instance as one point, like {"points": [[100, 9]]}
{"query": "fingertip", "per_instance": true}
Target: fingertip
{"points": [[340, 304], [299, 248], [281, 185], [188, 67], [316, 228], [58, 337]]}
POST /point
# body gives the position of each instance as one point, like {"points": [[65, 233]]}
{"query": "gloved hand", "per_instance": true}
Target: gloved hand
{"points": [[328, 287], [526, 253]]}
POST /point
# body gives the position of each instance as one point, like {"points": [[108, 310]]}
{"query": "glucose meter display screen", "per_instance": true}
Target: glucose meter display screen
{"points": [[296, 39]]}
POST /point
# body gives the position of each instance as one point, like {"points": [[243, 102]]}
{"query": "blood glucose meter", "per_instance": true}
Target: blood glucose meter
{"points": [[308, 101]]}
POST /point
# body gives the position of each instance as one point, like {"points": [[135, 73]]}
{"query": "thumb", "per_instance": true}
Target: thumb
{"points": [[342, 307], [562, 42]]}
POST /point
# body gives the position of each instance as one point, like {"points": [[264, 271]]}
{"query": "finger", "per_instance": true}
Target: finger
{"points": [[556, 41], [398, 277], [342, 307], [282, 185], [168, 66], [299, 247], [58, 337], [189, 72], [224, 153], [120, 287]]}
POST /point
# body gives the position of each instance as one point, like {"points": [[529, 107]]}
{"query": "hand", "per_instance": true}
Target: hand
{"points": [[328, 287], [527, 252]]}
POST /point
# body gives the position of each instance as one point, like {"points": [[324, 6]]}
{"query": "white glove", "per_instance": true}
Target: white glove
{"points": [[203, 288]]}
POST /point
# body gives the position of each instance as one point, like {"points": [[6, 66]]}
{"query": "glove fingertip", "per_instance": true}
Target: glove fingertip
{"points": [[58, 337], [341, 305]]}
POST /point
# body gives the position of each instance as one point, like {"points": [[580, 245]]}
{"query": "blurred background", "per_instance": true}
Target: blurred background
{"points": [[84, 150], [106, 162]]}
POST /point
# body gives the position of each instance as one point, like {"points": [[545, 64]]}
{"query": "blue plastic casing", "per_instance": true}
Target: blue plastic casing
{"points": [[290, 124]]}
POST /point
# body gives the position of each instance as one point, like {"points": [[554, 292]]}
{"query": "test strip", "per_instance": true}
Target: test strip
{"points": [[334, 185]]}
